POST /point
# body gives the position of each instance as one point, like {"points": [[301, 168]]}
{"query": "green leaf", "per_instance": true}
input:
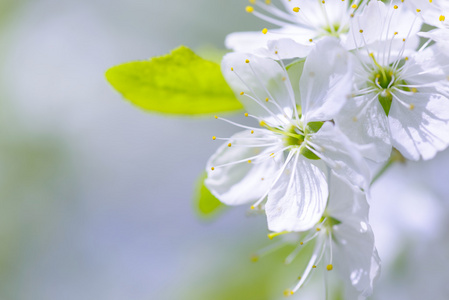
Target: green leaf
{"points": [[179, 83], [294, 71], [205, 203]]}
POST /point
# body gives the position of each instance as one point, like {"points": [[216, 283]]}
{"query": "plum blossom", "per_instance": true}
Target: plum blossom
{"points": [[283, 165], [400, 96]]}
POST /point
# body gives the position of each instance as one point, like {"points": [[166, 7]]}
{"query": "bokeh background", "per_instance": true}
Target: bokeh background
{"points": [[96, 195]]}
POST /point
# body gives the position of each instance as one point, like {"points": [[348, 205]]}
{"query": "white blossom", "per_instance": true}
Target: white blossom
{"points": [[288, 158], [400, 99], [301, 25], [343, 242]]}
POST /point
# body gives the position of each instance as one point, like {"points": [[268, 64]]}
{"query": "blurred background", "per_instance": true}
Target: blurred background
{"points": [[96, 195]]}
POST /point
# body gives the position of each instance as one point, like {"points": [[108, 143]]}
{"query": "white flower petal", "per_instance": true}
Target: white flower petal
{"points": [[365, 123], [423, 130], [326, 81], [244, 182], [297, 203], [354, 255], [312, 14], [379, 22], [289, 42], [440, 36], [246, 42], [286, 48], [261, 79], [341, 155]]}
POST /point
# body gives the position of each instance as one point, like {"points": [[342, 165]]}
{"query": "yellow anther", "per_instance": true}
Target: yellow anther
{"points": [[299, 277], [241, 93], [354, 6], [296, 9], [254, 258], [252, 1], [252, 131], [414, 90], [395, 7], [314, 266], [249, 9], [275, 234], [301, 243], [310, 40], [262, 123], [396, 33], [246, 114], [232, 69], [262, 179], [264, 31], [418, 10], [318, 229], [215, 117], [275, 52], [247, 61], [324, 2], [287, 293], [403, 40], [249, 161], [214, 138], [268, 2], [354, 119], [266, 99], [412, 107], [330, 267], [212, 168], [361, 30], [253, 207], [442, 18], [406, 58], [229, 145]]}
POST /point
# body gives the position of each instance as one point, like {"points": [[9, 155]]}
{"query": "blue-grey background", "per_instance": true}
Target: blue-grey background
{"points": [[96, 195]]}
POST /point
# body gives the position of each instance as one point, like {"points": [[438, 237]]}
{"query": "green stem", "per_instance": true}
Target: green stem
{"points": [[395, 156], [383, 170]]}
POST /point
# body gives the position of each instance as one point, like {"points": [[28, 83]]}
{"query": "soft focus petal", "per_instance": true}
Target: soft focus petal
{"points": [[440, 36], [289, 42], [354, 254], [380, 22], [286, 48]]}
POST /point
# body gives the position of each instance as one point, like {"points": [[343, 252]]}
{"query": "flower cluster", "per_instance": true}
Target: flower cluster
{"points": [[330, 95]]}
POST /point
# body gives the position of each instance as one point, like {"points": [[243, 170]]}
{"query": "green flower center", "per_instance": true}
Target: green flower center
{"points": [[296, 137], [385, 80], [329, 222], [335, 30]]}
